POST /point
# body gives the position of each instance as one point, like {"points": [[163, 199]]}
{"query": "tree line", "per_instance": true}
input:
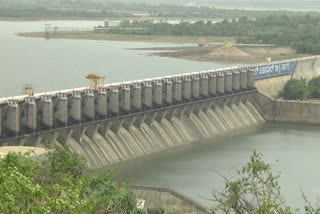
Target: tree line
{"points": [[299, 32]]}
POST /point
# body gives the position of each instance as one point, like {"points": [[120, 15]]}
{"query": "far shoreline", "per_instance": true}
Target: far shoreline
{"points": [[258, 53]]}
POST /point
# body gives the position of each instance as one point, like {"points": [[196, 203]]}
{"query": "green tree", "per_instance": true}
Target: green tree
{"points": [[295, 89], [254, 191], [314, 87], [60, 183]]}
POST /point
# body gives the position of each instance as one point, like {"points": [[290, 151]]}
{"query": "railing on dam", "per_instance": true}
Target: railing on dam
{"points": [[23, 115]]}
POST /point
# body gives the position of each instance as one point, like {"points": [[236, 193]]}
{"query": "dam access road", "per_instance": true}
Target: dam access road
{"points": [[125, 120]]}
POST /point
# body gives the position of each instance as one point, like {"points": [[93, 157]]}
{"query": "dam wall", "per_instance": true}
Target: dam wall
{"points": [[121, 121], [126, 120], [307, 112], [305, 68], [290, 111]]}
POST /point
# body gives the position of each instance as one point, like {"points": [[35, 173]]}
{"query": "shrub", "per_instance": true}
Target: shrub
{"points": [[295, 89]]}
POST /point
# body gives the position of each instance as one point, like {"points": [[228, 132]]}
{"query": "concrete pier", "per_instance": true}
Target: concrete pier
{"points": [[147, 95], [157, 93], [29, 119], [61, 109], [228, 82], [204, 85], [167, 91], [75, 106], [101, 106], [236, 80], [136, 101], [46, 111], [243, 79], [212, 83], [89, 105], [125, 99], [220, 83], [113, 101], [195, 86], [186, 87], [11, 119], [250, 79], [177, 88]]}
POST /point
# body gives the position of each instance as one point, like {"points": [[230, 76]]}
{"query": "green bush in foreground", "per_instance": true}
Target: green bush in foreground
{"points": [[59, 184]]}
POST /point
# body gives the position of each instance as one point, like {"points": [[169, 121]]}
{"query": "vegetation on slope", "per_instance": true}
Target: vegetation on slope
{"points": [[300, 89], [61, 183]]}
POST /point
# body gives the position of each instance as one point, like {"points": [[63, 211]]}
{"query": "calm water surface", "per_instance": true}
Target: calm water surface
{"points": [[60, 63], [196, 169]]}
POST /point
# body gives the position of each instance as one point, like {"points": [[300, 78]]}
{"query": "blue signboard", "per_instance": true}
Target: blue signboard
{"points": [[271, 70]]}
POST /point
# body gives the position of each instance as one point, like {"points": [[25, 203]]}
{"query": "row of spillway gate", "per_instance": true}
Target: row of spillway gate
{"points": [[54, 111]]}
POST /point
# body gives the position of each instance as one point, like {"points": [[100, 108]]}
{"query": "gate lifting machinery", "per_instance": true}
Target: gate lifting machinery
{"points": [[95, 81]]}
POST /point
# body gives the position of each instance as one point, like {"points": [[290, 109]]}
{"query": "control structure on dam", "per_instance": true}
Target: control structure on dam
{"points": [[31, 115]]}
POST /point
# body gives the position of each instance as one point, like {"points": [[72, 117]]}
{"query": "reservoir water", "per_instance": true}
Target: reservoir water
{"points": [[195, 170], [192, 169], [57, 64]]}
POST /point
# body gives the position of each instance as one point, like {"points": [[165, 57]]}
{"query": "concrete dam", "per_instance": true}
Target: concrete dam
{"points": [[125, 120]]}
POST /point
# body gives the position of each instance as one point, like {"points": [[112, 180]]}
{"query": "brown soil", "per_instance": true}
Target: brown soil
{"points": [[4, 150], [228, 52]]}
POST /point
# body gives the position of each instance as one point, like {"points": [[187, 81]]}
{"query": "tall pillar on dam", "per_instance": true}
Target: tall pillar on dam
{"points": [[30, 114], [251, 77], [147, 94], [125, 101], [88, 104], [204, 85], [176, 89], [220, 83], [136, 101], [186, 88], [113, 101], [236, 80], [46, 111], [101, 107], [212, 83], [243, 79], [12, 119], [167, 91], [75, 107], [228, 82], [195, 86], [157, 93], [61, 109]]}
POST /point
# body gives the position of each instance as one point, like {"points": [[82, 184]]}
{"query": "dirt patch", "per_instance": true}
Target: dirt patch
{"points": [[248, 54], [4, 150], [228, 52]]}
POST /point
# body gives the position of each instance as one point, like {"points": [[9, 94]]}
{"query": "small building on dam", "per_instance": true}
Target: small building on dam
{"points": [[121, 121]]}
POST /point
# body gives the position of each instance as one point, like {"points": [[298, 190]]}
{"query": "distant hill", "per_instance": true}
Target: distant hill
{"points": [[243, 4]]}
